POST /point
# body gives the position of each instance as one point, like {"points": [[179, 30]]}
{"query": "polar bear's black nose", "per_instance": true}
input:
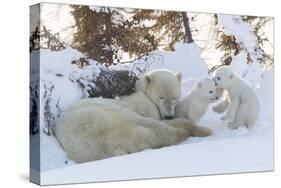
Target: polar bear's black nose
{"points": [[168, 117], [217, 98], [216, 84]]}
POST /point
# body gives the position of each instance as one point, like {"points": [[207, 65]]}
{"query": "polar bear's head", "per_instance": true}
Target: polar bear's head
{"points": [[163, 88], [206, 89], [224, 77]]}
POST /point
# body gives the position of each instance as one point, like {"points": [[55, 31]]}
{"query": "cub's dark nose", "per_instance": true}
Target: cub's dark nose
{"points": [[217, 98], [168, 117], [215, 82]]}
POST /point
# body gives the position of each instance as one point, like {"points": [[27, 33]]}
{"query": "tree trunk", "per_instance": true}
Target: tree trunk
{"points": [[188, 38], [108, 37]]}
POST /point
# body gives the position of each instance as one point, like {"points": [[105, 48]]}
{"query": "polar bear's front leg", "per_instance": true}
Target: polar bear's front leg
{"points": [[165, 134], [190, 126], [221, 107], [230, 115]]}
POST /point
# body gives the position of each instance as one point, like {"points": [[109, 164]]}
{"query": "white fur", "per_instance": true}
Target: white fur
{"points": [[222, 106], [93, 129], [242, 101], [195, 104]]}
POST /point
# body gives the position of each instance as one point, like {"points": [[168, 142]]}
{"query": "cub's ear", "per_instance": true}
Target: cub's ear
{"points": [[199, 85], [179, 76], [231, 76]]}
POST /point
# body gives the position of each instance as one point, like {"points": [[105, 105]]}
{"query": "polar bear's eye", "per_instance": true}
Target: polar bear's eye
{"points": [[174, 99], [210, 91], [218, 78], [161, 97]]}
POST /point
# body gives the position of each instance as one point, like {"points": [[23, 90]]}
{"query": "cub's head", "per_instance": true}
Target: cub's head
{"points": [[163, 88], [223, 77], [207, 89]]}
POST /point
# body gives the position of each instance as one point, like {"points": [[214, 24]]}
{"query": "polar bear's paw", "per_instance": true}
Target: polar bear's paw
{"points": [[182, 135], [218, 109], [223, 118], [190, 126], [201, 131]]}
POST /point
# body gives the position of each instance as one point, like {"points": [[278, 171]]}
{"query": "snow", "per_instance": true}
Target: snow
{"points": [[181, 60], [49, 147], [226, 151], [58, 19], [266, 91], [57, 71], [233, 25], [206, 36], [244, 34]]}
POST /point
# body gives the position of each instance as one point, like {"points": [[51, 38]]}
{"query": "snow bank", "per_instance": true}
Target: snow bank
{"points": [[57, 70], [185, 59], [266, 95], [59, 88]]}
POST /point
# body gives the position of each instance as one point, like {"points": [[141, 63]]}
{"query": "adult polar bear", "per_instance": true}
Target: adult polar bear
{"points": [[93, 129], [242, 101]]}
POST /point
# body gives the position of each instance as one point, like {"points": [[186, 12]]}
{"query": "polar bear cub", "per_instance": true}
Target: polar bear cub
{"points": [[243, 106], [195, 104]]}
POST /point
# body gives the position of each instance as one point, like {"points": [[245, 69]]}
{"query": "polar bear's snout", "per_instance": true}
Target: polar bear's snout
{"points": [[169, 113], [168, 117], [214, 98], [214, 79], [169, 109]]}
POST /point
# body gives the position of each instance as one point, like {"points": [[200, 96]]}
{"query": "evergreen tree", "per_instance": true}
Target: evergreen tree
{"points": [[188, 34], [168, 27], [258, 24], [230, 47], [103, 33], [44, 39]]}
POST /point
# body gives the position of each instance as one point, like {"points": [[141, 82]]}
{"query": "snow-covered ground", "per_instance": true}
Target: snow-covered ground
{"points": [[226, 151]]}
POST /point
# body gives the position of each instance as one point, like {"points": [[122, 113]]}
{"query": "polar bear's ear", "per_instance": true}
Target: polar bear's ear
{"points": [[147, 79], [179, 76], [142, 83]]}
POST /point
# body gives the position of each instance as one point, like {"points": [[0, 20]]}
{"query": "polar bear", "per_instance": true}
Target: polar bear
{"points": [[195, 104], [242, 101], [93, 129]]}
